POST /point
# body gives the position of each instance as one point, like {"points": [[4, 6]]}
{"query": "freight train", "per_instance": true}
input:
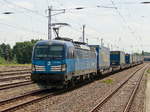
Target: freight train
{"points": [[62, 62]]}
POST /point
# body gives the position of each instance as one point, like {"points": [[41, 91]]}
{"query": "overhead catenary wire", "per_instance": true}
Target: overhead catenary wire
{"points": [[35, 12], [22, 12], [132, 31], [72, 9], [67, 10], [124, 20], [24, 29], [28, 10], [21, 28], [77, 30]]}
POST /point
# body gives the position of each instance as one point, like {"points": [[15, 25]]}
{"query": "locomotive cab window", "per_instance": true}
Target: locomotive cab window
{"points": [[55, 52], [40, 51], [49, 52]]}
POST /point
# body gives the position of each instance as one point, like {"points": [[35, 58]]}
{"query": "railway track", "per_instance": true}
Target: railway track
{"points": [[26, 76], [23, 100], [36, 96], [12, 85], [110, 94], [8, 71], [130, 101], [20, 72], [32, 97], [27, 99]]}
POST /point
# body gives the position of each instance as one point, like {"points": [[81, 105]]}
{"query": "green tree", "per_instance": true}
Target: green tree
{"points": [[23, 51], [6, 52], [0, 52]]}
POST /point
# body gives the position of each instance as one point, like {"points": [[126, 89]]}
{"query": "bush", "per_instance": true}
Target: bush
{"points": [[2, 61]]}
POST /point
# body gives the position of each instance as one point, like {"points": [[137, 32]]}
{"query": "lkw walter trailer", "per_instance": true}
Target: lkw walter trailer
{"points": [[103, 59], [117, 60]]}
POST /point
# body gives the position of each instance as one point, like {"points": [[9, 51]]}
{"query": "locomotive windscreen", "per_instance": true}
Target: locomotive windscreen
{"points": [[48, 52]]}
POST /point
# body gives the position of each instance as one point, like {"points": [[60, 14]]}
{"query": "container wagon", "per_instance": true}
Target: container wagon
{"points": [[103, 59], [117, 60], [128, 60], [134, 60], [141, 59]]}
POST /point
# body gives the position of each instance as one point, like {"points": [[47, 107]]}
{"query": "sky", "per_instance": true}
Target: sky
{"points": [[121, 24]]}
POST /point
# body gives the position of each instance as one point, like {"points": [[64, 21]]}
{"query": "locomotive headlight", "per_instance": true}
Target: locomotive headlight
{"points": [[63, 67]]}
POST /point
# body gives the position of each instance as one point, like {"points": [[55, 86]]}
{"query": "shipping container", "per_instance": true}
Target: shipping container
{"points": [[133, 58], [128, 59], [139, 58], [117, 58], [103, 57]]}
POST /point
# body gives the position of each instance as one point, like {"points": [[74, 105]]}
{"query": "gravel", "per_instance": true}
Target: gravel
{"points": [[16, 91], [138, 102], [118, 102], [82, 99], [9, 68], [14, 81]]}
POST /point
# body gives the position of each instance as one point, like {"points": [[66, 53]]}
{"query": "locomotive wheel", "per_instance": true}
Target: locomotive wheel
{"points": [[66, 85], [72, 83], [91, 77]]}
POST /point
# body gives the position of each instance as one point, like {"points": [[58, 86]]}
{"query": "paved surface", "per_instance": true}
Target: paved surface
{"points": [[147, 103]]}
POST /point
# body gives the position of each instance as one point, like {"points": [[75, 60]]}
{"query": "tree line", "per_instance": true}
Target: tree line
{"points": [[20, 53]]}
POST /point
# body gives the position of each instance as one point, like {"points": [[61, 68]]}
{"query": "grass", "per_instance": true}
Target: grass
{"points": [[12, 64], [148, 71], [108, 81]]}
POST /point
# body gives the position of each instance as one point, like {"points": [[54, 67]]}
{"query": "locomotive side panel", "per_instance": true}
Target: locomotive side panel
{"points": [[85, 62]]}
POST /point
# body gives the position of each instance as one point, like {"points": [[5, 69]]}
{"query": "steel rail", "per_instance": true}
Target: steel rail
{"points": [[14, 77], [12, 85], [4, 103], [15, 70], [32, 101], [15, 73], [111, 93], [20, 96], [129, 103]]}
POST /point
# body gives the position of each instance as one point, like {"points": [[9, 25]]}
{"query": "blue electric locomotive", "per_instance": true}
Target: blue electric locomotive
{"points": [[60, 62]]}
